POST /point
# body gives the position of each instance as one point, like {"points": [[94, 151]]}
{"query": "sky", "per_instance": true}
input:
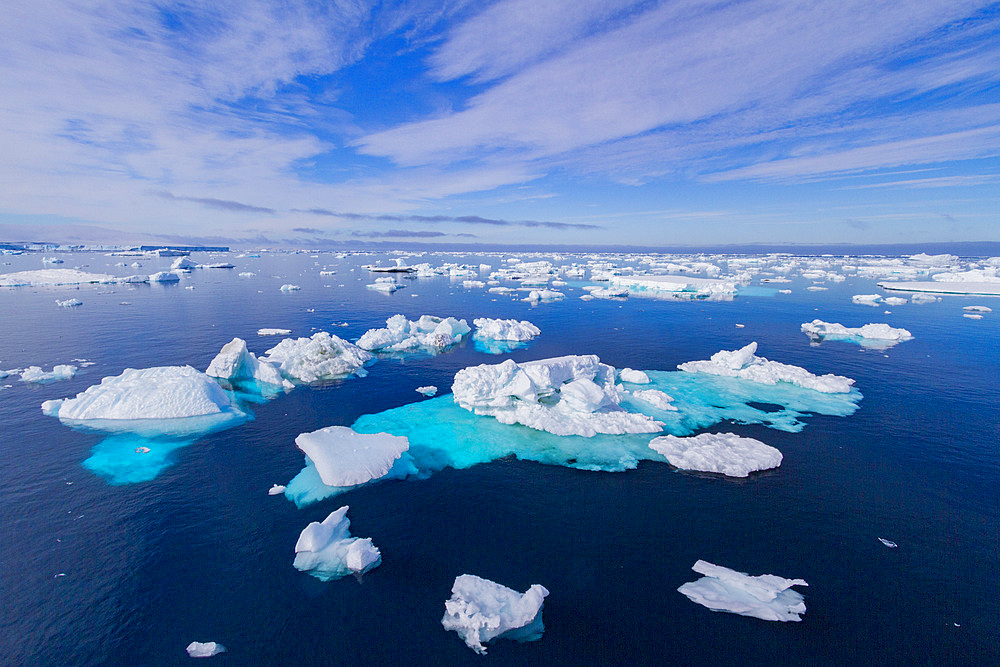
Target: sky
{"points": [[585, 122]]}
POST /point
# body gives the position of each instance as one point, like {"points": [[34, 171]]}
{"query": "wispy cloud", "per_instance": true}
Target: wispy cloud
{"points": [[221, 204], [404, 233], [464, 219]]}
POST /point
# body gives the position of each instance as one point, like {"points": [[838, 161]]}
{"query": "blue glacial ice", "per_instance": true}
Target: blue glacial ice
{"points": [[481, 610]]}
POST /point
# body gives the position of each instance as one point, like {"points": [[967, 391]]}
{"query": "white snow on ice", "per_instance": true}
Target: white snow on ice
{"points": [[481, 610], [767, 596], [743, 363], [724, 453]]}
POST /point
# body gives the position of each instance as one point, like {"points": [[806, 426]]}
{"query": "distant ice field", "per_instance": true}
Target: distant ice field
{"points": [[112, 554]]}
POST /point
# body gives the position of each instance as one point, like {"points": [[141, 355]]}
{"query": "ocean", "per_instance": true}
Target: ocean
{"points": [[94, 572]]}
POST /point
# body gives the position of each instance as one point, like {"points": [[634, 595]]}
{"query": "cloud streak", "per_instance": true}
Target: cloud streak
{"points": [[464, 219]]}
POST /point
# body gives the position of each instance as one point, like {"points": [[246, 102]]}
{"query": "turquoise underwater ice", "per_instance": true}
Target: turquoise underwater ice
{"points": [[442, 434]]}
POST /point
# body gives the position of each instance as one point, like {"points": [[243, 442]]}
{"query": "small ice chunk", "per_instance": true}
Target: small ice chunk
{"points": [[273, 332], [429, 390], [290, 288], [345, 458], [183, 264], [69, 303], [972, 316], [276, 490], [480, 610], [869, 335], [36, 375], [204, 649], [534, 296], [888, 543], [235, 363], [767, 596], [656, 398], [977, 309], [164, 277], [321, 357], [633, 376], [724, 453], [497, 329], [327, 550], [867, 299], [895, 300], [744, 364]]}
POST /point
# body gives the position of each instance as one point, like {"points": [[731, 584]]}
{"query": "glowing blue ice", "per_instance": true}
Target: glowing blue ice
{"points": [[128, 458]]}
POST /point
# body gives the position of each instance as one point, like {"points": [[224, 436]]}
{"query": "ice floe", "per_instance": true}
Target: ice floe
{"points": [[766, 596], [204, 649], [878, 336], [867, 299], [941, 287], [36, 375], [69, 303], [43, 277], [655, 397], [571, 395], [499, 329], [238, 365], [724, 453], [273, 332], [276, 490], [427, 332], [676, 285], [288, 287], [327, 551], [323, 356], [343, 457], [429, 390], [743, 363], [481, 610], [164, 277], [977, 309]]}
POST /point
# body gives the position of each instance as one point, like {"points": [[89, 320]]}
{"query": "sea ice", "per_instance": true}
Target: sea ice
{"points": [[743, 363], [571, 395], [321, 357], [69, 303], [289, 288], [183, 264], [535, 296], [204, 649], [480, 610], [633, 376], [36, 375], [977, 309], [276, 490], [943, 287], [655, 397], [878, 336], [238, 365], [53, 277], [888, 543], [428, 332], [345, 458], [688, 285], [498, 329], [327, 551], [429, 390], [273, 332], [164, 277], [867, 299], [724, 453], [766, 596]]}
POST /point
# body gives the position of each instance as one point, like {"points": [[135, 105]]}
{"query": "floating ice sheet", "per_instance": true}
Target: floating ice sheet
{"points": [[767, 596], [724, 453], [874, 336], [481, 610], [745, 364]]}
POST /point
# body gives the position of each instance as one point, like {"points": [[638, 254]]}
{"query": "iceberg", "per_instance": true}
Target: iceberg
{"points": [[633, 376], [204, 649], [534, 296], [878, 336], [429, 390], [45, 277], [867, 299], [724, 453], [498, 329], [164, 277], [571, 395], [321, 357], [327, 551], [428, 332], [480, 610], [36, 375], [183, 264], [743, 363], [290, 288], [238, 365], [767, 596], [344, 457], [69, 303], [273, 332]]}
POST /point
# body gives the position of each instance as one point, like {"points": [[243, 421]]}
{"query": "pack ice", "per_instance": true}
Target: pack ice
{"points": [[480, 610], [743, 363], [571, 395], [879, 336], [767, 596], [400, 334], [320, 357], [327, 551], [724, 453], [498, 329]]}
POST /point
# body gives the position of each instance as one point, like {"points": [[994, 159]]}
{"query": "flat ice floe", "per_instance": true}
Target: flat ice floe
{"points": [[273, 332], [427, 332], [327, 551], [766, 596], [43, 277], [878, 336], [676, 285], [724, 453], [204, 649], [942, 287], [571, 395], [320, 357], [743, 363], [36, 375], [481, 610]]}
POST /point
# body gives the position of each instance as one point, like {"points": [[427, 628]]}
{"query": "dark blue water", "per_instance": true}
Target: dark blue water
{"points": [[203, 553]]}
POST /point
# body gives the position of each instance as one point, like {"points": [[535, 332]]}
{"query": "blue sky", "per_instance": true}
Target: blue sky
{"points": [[565, 121]]}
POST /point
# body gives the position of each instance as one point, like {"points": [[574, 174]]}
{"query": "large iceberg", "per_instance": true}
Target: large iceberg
{"points": [[238, 365], [480, 610], [571, 395], [53, 277], [724, 453], [767, 596], [321, 357], [428, 332], [327, 551], [743, 363], [878, 336]]}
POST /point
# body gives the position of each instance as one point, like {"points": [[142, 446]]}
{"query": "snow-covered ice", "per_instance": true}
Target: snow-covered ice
{"points": [[766, 596], [724, 453], [273, 332], [276, 490], [205, 649], [327, 551], [633, 376], [658, 399], [499, 329], [164, 277], [345, 458], [535, 296], [288, 287], [36, 375], [238, 365], [743, 363], [429, 390], [942, 287], [867, 299], [481, 610], [879, 336], [571, 395], [427, 332], [677, 285], [69, 303], [53, 277], [320, 357]]}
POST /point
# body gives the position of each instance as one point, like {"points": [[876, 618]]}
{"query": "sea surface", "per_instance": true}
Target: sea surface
{"points": [[94, 573]]}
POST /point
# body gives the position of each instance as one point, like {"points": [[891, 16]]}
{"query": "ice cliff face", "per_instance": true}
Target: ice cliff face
{"points": [[571, 395]]}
